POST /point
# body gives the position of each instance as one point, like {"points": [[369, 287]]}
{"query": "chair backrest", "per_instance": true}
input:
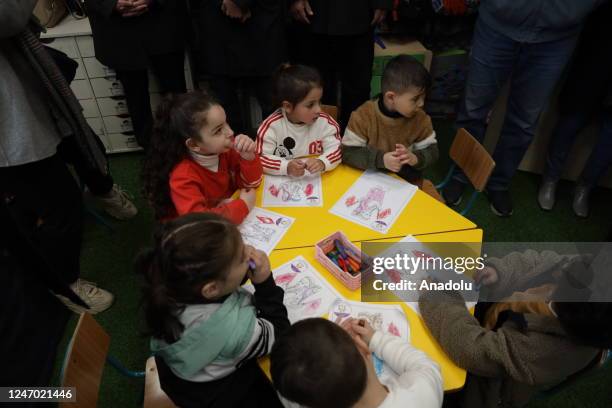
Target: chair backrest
{"points": [[331, 110], [85, 361], [472, 158], [154, 396]]}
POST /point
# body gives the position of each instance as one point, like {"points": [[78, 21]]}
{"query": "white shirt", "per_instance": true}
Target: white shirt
{"points": [[279, 141]]}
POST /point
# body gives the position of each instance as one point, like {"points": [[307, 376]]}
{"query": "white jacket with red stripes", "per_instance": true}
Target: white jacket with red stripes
{"points": [[279, 141]]}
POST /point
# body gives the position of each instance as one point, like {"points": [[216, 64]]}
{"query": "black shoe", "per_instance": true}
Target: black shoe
{"points": [[453, 192], [501, 202]]}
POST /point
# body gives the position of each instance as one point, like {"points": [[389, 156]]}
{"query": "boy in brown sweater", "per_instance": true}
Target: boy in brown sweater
{"points": [[392, 132]]}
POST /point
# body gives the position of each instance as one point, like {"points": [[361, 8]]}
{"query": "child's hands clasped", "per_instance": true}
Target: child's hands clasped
{"points": [[296, 168], [314, 165], [248, 195], [262, 265], [396, 159], [486, 276], [245, 146]]}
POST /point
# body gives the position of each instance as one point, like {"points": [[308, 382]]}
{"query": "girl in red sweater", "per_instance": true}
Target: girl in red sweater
{"points": [[195, 163]]}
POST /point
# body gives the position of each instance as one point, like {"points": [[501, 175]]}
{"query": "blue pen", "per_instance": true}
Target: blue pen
{"points": [[252, 266]]}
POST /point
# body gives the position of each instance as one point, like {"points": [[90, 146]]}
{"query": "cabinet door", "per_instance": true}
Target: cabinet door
{"points": [[67, 45], [106, 87], [113, 106], [123, 142], [90, 108], [86, 46], [95, 69], [81, 89], [117, 124]]}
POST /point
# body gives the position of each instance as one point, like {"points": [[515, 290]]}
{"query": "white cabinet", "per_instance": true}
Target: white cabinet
{"points": [[97, 88]]}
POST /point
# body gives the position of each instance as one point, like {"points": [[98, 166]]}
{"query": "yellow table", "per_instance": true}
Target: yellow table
{"points": [[454, 377], [422, 215]]}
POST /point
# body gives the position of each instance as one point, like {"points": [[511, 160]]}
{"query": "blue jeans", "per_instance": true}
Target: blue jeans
{"points": [[533, 70], [563, 138]]}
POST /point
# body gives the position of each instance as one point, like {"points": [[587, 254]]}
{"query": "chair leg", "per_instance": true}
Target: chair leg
{"points": [[470, 203], [447, 178], [119, 367]]}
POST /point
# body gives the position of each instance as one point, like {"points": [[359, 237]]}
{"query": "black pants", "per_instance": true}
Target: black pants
{"points": [[345, 60], [44, 210], [226, 90], [169, 71]]}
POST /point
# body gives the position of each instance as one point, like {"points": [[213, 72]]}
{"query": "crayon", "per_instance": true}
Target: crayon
{"points": [[252, 265], [340, 248], [342, 265]]}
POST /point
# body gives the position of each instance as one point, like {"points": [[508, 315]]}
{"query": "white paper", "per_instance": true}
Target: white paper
{"points": [[285, 191], [386, 318], [263, 229], [375, 201], [307, 293]]}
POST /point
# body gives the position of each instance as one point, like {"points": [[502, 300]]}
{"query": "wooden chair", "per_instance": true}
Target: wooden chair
{"points": [[84, 362], [154, 396], [331, 110], [474, 160]]}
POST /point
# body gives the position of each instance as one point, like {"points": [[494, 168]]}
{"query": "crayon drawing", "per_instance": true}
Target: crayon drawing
{"points": [[263, 229], [285, 191], [307, 293], [375, 201]]}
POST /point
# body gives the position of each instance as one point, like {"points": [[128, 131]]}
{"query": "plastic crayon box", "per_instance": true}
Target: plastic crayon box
{"points": [[344, 262]]}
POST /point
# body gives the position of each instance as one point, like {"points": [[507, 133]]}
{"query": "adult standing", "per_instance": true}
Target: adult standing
{"points": [[587, 94], [528, 42], [336, 36], [133, 36], [241, 43]]}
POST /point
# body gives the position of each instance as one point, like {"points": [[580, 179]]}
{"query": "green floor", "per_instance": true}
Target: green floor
{"points": [[107, 259]]}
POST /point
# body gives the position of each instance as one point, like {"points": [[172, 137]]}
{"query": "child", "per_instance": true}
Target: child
{"points": [[526, 342], [206, 331], [317, 364], [195, 164], [392, 132], [299, 128]]}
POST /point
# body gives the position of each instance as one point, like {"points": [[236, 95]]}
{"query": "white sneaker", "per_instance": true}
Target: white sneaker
{"points": [[117, 204], [98, 299]]}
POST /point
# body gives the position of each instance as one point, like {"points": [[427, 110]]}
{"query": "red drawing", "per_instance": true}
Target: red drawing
{"points": [[392, 329], [309, 189], [383, 214], [285, 278], [265, 220], [350, 201], [273, 190]]}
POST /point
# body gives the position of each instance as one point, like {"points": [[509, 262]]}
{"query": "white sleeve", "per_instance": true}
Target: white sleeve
{"points": [[417, 372], [266, 143], [332, 152], [423, 144]]}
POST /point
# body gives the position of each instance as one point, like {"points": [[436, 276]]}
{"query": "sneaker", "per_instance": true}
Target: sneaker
{"points": [[117, 203], [98, 299], [501, 202], [453, 192]]}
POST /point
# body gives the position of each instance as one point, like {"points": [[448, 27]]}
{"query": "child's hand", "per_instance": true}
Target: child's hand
{"points": [[392, 162], [363, 329], [486, 276], [296, 168], [248, 195], [314, 165], [245, 146], [262, 265], [300, 11], [405, 155]]}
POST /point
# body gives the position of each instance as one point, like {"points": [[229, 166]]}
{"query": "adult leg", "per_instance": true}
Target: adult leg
{"points": [[324, 55], [226, 91], [169, 70], [355, 58], [136, 86]]}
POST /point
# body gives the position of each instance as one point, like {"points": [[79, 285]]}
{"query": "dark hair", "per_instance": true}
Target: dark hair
{"points": [[404, 72], [178, 118], [292, 83], [317, 364], [187, 253]]}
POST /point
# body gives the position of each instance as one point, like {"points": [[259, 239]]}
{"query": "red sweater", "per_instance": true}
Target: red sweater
{"points": [[194, 188]]}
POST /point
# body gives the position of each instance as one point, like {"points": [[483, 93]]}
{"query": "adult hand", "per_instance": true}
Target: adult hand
{"points": [[248, 195], [262, 265], [231, 9], [379, 16], [296, 168], [245, 146], [314, 165], [132, 8], [392, 162], [300, 11]]}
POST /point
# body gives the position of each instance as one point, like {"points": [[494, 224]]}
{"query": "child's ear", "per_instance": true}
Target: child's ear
{"points": [[211, 290], [389, 96], [192, 145], [287, 106]]}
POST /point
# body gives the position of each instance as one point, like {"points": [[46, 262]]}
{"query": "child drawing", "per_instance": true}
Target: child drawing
{"points": [[370, 204], [256, 232], [375, 319], [295, 295]]}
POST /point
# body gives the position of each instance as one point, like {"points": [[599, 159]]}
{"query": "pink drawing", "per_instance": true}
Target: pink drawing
{"points": [[383, 214], [350, 201], [371, 203], [265, 220], [312, 306], [392, 329], [273, 190], [394, 276], [309, 189], [285, 278]]}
